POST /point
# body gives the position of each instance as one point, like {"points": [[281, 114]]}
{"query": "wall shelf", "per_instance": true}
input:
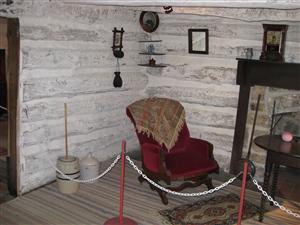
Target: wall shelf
{"points": [[156, 65], [153, 53], [150, 41]]}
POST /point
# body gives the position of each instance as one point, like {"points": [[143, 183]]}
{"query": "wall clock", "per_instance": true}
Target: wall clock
{"points": [[149, 21], [273, 42]]}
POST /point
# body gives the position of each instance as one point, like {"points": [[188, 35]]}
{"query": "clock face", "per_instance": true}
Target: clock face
{"points": [[273, 37], [149, 21], [273, 41]]}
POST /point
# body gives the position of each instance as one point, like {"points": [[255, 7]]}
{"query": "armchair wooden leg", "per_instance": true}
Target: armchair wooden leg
{"points": [[208, 183], [152, 187], [141, 179], [274, 182], [163, 196]]}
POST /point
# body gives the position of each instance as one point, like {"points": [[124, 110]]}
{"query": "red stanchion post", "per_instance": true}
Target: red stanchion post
{"points": [[246, 164], [121, 220], [242, 193], [122, 182]]}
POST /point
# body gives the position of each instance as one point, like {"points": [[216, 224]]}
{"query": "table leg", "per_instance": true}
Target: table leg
{"points": [[268, 169], [274, 182]]}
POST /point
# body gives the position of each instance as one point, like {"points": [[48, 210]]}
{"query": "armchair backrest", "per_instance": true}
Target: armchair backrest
{"points": [[180, 144]]}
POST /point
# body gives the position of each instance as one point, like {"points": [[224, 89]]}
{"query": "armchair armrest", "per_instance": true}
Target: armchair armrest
{"points": [[205, 147], [153, 158]]}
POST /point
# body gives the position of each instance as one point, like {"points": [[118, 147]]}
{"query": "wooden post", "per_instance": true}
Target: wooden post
{"points": [[66, 132], [12, 72], [240, 127]]}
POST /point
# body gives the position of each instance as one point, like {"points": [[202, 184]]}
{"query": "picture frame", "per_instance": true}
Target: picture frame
{"points": [[117, 43], [198, 41], [117, 39], [273, 42], [149, 21]]}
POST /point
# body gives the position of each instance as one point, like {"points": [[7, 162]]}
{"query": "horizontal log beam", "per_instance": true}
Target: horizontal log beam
{"points": [[282, 4], [39, 109], [85, 85]]}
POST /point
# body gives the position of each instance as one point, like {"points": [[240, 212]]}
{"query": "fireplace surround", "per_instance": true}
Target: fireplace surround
{"points": [[264, 73]]}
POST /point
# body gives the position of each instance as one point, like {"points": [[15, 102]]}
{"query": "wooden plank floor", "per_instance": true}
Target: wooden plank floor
{"points": [[97, 202], [4, 193]]}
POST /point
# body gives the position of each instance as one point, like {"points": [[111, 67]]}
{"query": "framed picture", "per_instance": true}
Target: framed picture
{"points": [[198, 41], [117, 43], [273, 42], [117, 38], [149, 21]]}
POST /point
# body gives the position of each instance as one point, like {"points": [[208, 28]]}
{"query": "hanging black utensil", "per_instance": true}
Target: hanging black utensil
{"points": [[117, 43], [118, 53], [117, 80]]}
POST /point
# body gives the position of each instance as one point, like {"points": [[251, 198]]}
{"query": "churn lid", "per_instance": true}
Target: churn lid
{"points": [[89, 160]]}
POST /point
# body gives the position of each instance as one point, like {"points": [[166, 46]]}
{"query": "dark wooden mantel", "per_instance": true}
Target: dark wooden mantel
{"points": [[263, 73]]}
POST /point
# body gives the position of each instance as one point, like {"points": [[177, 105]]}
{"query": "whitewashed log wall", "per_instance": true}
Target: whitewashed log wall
{"points": [[66, 56], [205, 84], [282, 4]]}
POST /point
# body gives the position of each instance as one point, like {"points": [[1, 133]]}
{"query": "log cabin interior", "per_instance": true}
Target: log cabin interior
{"points": [[79, 78]]}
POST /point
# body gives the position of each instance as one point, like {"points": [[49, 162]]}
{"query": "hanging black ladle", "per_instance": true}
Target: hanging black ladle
{"points": [[118, 53], [117, 80]]}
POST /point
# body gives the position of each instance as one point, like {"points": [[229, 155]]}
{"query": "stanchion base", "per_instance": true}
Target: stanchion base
{"points": [[116, 221]]}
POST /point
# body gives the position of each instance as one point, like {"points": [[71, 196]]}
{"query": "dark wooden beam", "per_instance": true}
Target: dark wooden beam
{"points": [[271, 74], [239, 131], [13, 51]]}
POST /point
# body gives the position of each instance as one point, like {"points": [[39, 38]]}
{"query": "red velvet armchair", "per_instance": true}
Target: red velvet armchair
{"points": [[190, 161]]}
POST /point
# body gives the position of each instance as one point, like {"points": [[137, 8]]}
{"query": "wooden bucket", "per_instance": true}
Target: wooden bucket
{"points": [[69, 166]]}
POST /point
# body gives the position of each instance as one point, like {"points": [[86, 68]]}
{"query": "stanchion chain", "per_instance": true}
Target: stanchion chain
{"points": [[181, 193], [87, 180], [281, 207]]}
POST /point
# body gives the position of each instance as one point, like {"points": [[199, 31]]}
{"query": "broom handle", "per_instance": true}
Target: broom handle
{"points": [[245, 170], [253, 127], [66, 131]]}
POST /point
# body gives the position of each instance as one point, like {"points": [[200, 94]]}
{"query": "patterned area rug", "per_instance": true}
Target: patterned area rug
{"points": [[219, 210]]}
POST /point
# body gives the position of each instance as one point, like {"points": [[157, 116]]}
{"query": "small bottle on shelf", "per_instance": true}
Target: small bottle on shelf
{"points": [[152, 62], [151, 49]]}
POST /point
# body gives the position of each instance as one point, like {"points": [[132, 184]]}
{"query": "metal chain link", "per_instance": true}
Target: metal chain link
{"points": [[281, 207], [180, 193], [88, 180], [231, 180]]}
